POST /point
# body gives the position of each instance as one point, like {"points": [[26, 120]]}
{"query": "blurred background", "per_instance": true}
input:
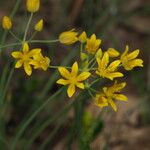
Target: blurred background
{"points": [[81, 126]]}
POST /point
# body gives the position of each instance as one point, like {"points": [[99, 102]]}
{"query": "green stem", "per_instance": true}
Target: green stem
{"points": [[32, 36], [15, 36], [10, 45], [44, 41], [81, 48], [15, 8], [95, 91], [92, 60], [94, 81], [21, 131], [32, 41], [27, 27], [90, 93], [3, 39], [92, 69], [56, 67]]}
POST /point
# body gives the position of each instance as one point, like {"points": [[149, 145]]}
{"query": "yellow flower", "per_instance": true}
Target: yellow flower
{"points": [[40, 62], [68, 37], [25, 57], [92, 44], [112, 52], [100, 100], [110, 94], [108, 71], [72, 78], [39, 25], [33, 5], [83, 37], [129, 60], [6, 23]]}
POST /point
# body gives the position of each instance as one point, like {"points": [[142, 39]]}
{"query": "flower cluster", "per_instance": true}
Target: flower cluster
{"points": [[99, 64], [28, 58], [94, 62]]}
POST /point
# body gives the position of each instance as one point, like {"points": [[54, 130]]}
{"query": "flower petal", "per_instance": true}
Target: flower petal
{"points": [[80, 85], [136, 62], [125, 52], [98, 61], [25, 47], [114, 75], [113, 105], [104, 61], [74, 71], [120, 97], [133, 54], [71, 90], [27, 68], [34, 52], [118, 87], [16, 54], [62, 81], [64, 72], [18, 64], [83, 76], [113, 66]]}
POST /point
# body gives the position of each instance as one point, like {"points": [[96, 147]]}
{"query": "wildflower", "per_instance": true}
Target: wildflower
{"points": [[129, 60], [100, 100], [39, 25], [39, 61], [6, 23], [112, 52], [92, 44], [68, 37], [33, 5], [108, 71], [72, 78], [110, 94], [83, 37], [25, 57]]}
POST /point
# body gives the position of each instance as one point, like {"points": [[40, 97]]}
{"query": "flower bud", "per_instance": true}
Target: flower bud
{"points": [[83, 56], [85, 65], [6, 23], [68, 37], [33, 5], [39, 25], [92, 44], [83, 37]]}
